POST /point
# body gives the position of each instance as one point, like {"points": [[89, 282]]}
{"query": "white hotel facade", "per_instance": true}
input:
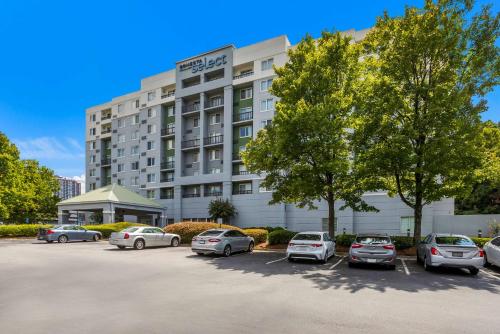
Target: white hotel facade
{"points": [[178, 140]]}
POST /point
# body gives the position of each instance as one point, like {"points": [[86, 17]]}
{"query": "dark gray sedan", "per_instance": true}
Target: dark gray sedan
{"points": [[65, 233]]}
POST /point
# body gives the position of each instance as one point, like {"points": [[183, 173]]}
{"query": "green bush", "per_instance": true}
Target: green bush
{"points": [[107, 229], [280, 237], [187, 230], [259, 235], [402, 242], [267, 228], [21, 230], [344, 240], [480, 241]]}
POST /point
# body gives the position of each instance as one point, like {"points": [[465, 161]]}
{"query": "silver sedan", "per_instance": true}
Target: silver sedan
{"points": [[450, 250], [373, 248], [142, 237], [222, 241]]}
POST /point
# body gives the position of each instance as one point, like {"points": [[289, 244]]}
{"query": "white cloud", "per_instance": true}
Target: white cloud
{"points": [[50, 148]]}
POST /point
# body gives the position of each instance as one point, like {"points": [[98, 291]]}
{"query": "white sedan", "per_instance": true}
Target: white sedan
{"points": [[492, 252], [141, 237], [312, 246]]}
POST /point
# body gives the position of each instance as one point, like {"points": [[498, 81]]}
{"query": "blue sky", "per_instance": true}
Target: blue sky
{"points": [[60, 57]]}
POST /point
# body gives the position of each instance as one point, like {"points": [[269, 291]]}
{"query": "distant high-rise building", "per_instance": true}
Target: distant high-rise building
{"points": [[68, 187]]}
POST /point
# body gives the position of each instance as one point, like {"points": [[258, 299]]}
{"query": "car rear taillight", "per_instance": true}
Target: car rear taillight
{"points": [[356, 246], [389, 246], [316, 245], [126, 236], [481, 253], [213, 240], [291, 244], [194, 239], [434, 251], [50, 232]]}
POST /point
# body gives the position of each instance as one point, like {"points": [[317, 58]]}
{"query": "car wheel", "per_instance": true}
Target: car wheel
{"points": [[121, 247], [199, 254], [427, 267], [174, 242], [49, 241], [139, 244], [250, 247], [96, 237], [486, 263], [62, 239], [227, 251], [392, 267], [325, 259], [290, 259], [474, 271], [351, 265]]}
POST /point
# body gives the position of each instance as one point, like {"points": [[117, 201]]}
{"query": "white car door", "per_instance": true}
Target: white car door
{"points": [[494, 251], [150, 237], [328, 243], [162, 238]]}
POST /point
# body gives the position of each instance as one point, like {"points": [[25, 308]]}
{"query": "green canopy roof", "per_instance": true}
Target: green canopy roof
{"points": [[111, 193]]}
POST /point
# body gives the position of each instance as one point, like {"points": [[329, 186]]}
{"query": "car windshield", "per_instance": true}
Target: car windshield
{"points": [[311, 237], [373, 240], [457, 241], [130, 229], [210, 233]]}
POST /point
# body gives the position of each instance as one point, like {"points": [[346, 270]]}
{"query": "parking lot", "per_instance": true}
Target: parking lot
{"points": [[96, 288]]}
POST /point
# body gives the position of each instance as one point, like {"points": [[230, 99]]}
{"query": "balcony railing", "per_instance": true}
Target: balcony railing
{"points": [[243, 75], [191, 108], [167, 179], [105, 131], [245, 116], [168, 131], [190, 143], [241, 172], [105, 117], [214, 103], [190, 195], [242, 191], [213, 193], [168, 94], [237, 156], [167, 165], [105, 161], [212, 140], [166, 196]]}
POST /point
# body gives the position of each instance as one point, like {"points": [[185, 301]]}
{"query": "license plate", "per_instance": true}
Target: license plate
{"points": [[457, 254], [202, 241], [371, 260]]}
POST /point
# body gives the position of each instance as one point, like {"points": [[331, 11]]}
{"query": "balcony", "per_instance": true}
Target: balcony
{"points": [[168, 132], [213, 193], [167, 165], [190, 195], [166, 196], [241, 172], [194, 107], [105, 117], [167, 179], [243, 75], [246, 116], [242, 191], [236, 156], [105, 131], [105, 161], [168, 94], [213, 140], [214, 103], [190, 143]]}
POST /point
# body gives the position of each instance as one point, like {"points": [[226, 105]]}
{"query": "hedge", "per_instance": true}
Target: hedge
{"points": [[187, 230], [259, 235], [267, 228], [107, 229], [280, 237], [480, 241], [21, 230]]}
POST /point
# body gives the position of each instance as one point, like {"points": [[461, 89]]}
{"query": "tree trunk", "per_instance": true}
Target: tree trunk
{"points": [[417, 215], [331, 216]]}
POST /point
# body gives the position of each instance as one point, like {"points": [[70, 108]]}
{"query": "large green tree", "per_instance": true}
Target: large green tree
{"points": [[305, 153], [220, 208], [27, 190], [425, 77]]}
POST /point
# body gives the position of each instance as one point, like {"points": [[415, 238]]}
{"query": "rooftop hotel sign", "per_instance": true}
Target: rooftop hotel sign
{"points": [[204, 63]]}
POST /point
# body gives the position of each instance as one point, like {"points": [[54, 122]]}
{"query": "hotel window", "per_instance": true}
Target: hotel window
{"points": [[151, 145], [214, 119], [135, 119], [267, 105], [92, 186], [150, 194], [245, 131], [263, 189], [92, 158], [151, 96], [265, 85], [121, 138], [214, 155], [151, 112], [215, 171], [152, 128], [134, 181], [266, 122], [120, 152], [245, 110], [196, 157], [246, 93], [134, 165], [170, 111], [151, 178], [120, 182], [407, 223], [135, 135], [134, 149], [92, 132], [120, 167], [92, 117], [267, 64], [170, 144], [92, 145], [137, 103], [245, 187], [151, 162], [121, 123], [120, 107], [196, 122], [92, 172]]}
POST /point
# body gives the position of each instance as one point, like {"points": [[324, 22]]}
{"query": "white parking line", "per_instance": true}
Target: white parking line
{"points": [[338, 262], [278, 260], [489, 274], [407, 272]]}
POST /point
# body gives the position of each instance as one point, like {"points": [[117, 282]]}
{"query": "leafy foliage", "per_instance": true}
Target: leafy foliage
{"points": [[220, 208], [259, 235], [107, 229], [280, 237], [187, 230], [21, 230]]}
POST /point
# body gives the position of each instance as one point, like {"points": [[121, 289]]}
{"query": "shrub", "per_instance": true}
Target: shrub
{"points": [[21, 230], [107, 229], [187, 230], [280, 237], [345, 239], [259, 235], [267, 228], [402, 242], [480, 241]]}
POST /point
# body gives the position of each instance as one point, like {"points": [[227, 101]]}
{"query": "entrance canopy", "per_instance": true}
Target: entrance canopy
{"points": [[114, 202]]}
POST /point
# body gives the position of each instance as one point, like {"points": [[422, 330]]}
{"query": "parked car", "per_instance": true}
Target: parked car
{"points": [[373, 248], [450, 250], [141, 237], [311, 246], [222, 241], [492, 252], [65, 233]]}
